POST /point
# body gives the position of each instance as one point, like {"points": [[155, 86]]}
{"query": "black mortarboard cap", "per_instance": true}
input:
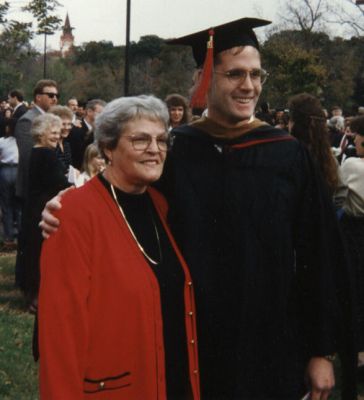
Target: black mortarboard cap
{"points": [[235, 33]]}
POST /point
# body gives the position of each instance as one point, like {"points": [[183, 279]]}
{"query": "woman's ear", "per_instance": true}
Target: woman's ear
{"points": [[108, 154]]}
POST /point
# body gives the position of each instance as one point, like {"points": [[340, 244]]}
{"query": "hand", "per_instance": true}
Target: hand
{"points": [[49, 222], [320, 374]]}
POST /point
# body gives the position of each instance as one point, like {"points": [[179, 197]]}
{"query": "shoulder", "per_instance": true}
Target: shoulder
{"points": [[80, 204], [30, 114], [87, 196]]}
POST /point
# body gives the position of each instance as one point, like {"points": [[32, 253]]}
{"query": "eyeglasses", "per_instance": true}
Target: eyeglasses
{"points": [[238, 76], [51, 95], [143, 142]]}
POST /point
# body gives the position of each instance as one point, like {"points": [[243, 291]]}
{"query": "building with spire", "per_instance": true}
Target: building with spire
{"points": [[67, 39]]}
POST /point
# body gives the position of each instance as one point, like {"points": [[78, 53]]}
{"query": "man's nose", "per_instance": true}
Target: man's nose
{"points": [[247, 83]]}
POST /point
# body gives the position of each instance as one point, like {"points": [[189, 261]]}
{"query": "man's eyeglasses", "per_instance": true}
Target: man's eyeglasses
{"points": [[51, 95], [238, 76], [143, 142]]}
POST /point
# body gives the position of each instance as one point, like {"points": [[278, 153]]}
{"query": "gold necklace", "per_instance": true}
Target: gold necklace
{"points": [[133, 234]]}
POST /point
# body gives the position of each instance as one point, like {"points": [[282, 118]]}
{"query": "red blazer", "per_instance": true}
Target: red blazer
{"points": [[100, 319]]}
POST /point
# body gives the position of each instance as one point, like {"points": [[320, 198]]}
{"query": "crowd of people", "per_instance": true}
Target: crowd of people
{"points": [[216, 256]]}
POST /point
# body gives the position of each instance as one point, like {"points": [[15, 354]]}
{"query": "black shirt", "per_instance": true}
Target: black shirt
{"points": [[145, 223]]}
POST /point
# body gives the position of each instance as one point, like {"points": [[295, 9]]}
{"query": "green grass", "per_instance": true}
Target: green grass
{"points": [[18, 372]]}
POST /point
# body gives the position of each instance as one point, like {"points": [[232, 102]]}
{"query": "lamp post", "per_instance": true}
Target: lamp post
{"points": [[45, 56], [127, 47]]}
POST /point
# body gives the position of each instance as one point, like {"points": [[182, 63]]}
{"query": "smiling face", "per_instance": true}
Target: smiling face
{"points": [[66, 127], [229, 103], [133, 170], [176, 115], [50, 138]]}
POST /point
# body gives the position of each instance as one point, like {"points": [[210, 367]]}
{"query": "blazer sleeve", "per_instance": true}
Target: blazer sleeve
{"points": [[64, 290], [23, 136]]}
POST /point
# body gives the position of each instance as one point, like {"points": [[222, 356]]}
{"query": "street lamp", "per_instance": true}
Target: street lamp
{"points": [[45, 33], [127, 47]]}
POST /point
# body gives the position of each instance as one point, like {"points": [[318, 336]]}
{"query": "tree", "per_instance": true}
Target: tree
{"points": [[349, 14], [293, 69], [4, 8], [47, 22], [15, 49], [306, 15]]}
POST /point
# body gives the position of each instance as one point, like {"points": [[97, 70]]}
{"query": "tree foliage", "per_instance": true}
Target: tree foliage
{"points": [[15, 49], [43, 11]]}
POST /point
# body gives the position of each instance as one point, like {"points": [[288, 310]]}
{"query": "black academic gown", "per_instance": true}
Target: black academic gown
{"points": [[258, 232]]}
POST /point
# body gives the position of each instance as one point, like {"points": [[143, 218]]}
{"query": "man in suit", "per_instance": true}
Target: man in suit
{"points": [[16, 99], [81, 137], [72, 104], [45, 95]]}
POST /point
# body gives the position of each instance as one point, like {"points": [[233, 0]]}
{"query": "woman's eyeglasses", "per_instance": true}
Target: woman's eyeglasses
{"points": [[143, 142]]}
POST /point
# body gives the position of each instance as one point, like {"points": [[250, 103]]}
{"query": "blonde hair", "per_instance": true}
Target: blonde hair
{"points": [[61, 111], [91, 152]]}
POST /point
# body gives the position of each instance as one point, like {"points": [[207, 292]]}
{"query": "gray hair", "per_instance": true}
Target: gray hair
{"points": [[44, 123], [337, 122], [110, 124], [91, 104]]}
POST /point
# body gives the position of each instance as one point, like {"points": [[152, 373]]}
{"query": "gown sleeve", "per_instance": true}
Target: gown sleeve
{"points": [[322, 279]]}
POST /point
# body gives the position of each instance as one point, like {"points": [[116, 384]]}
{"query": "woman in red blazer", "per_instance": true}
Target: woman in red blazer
{"points": [[116, 306]]}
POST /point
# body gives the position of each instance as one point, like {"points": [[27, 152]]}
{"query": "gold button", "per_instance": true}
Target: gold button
{"points": [[192, 341], [190, 313], [195, 371], [102, 385], [189, 283]]}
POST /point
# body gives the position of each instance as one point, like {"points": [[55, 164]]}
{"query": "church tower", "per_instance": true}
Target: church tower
{"points": [[67, 38]]}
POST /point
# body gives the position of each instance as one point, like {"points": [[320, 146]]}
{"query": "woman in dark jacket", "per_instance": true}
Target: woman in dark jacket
{"points": [[46, 179]]}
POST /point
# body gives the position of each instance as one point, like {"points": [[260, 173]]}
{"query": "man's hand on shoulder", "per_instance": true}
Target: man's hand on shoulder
{"points": [[49, 222], [320, 374]]}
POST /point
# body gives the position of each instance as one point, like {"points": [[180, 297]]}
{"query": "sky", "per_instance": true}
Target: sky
{"points": [[105, 19]]}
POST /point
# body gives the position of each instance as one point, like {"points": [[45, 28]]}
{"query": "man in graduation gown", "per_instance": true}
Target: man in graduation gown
{"points": [[257, 229]]}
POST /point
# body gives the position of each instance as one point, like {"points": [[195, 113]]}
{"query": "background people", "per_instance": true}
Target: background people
{"points": [[178, 109], [10, 207], [93, 164], [46, 178], [308, 125], [63, 149], [81, 137], [352, 224], [45, 95]]}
